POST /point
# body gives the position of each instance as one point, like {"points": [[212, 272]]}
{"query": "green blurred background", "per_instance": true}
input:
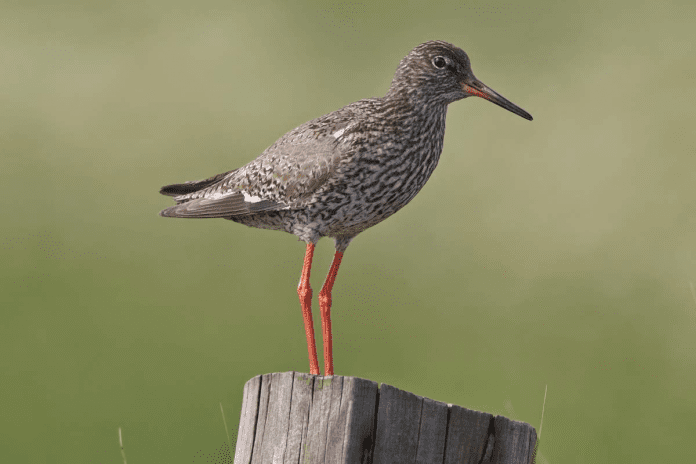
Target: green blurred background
{"points": [[559, 252]]}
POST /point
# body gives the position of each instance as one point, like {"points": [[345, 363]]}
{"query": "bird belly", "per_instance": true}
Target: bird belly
{"points": [[356, 214]]}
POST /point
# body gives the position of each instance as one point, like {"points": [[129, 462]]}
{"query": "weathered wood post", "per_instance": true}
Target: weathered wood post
{"points": [[298, 418]]}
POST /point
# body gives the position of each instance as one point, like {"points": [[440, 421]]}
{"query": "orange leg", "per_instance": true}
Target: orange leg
{"points": [[325, 307], [305, 293]]}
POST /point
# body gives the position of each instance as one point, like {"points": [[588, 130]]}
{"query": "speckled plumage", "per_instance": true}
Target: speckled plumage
{"points": [[339, 174], [343, 172]]}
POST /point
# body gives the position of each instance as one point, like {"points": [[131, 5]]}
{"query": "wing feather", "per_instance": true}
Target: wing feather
{"points": [[233, 204], [286, 174]]}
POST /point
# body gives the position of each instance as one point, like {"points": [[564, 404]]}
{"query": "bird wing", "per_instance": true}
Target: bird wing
{"points": [[282, 177]]}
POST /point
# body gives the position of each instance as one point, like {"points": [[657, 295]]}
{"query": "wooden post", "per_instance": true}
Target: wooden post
{"points": [[298, 418]]}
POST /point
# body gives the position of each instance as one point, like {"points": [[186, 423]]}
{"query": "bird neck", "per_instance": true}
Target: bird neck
{"points": [[415, 101], [418, 114], [420, 126]]}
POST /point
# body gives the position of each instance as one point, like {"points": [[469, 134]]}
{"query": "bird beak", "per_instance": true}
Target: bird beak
{"points": [[473, 86]]}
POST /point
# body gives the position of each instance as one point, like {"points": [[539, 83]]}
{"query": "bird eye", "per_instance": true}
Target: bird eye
{"points": [[439, 62]]}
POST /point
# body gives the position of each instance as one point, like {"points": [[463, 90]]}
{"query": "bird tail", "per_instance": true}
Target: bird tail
{"points": [[175, 190]]}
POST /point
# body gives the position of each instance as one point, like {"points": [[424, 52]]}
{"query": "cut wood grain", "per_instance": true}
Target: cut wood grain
{"points": [[298, 418]]}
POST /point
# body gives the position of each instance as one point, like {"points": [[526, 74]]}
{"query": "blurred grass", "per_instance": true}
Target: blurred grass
{"points": [[555, 252]]}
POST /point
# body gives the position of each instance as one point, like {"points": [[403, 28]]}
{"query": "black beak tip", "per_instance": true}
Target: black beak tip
{"points": [[477, 88]]}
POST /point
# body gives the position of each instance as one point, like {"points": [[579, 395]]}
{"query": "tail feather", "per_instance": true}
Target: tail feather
{"points": [[175, 190]]}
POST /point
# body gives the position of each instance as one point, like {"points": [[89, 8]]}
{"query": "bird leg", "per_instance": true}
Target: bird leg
{"points": [[325, 307], [305, 293]]}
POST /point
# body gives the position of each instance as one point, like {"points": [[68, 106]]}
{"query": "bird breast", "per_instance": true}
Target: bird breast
{"points": [[387, 167]]}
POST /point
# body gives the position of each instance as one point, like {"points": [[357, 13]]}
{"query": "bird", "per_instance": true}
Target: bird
{"points": [[346, 171]]}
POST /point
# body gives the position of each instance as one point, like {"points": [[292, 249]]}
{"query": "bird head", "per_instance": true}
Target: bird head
{"points": [[439, 72]]}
